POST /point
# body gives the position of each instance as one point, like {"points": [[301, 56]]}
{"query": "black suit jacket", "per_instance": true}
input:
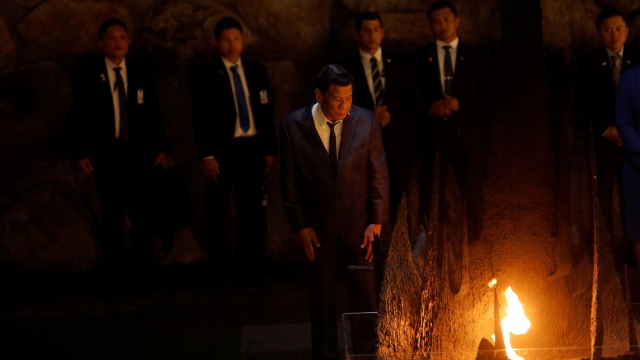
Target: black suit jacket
{"points": [[401, 97], [468, 129], [357, 198], [92, 116], [214, 110], [597, 92]]}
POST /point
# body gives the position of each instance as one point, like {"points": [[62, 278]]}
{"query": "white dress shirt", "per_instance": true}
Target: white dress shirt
{"points": [[111, 74], [366, 64], [323, 128], [618, 63], [453, 51], [252, 127]]}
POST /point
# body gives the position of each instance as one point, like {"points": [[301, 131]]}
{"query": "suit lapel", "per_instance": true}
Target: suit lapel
{"points": [[349, 131], [308, 129], [434, 67]]}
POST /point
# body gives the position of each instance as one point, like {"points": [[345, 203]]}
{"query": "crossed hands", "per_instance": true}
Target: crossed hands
{"points": [[445, 106]]}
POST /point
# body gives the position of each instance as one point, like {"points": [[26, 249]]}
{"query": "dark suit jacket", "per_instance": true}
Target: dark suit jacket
{"points": [[401, 97], [597, 92], [468, 129], [214, 110], [628, 122], [357, 198], [92, 116]]}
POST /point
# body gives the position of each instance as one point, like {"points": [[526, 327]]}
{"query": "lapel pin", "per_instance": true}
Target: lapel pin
{"points": [[461, 58], [628, 62], [604, 63], [102, 77], [430, 59], [388, 61]]}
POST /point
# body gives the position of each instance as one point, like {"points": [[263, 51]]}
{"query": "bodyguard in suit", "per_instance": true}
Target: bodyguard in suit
{"points": [[385, 84], [117, 133], [628, 125], [453, 78], [599, 72], [235, 135], [335, 190]]}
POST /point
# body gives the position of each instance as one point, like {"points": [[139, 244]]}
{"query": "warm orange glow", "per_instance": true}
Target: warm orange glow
{"points": [[493, 282], [514, 323]]}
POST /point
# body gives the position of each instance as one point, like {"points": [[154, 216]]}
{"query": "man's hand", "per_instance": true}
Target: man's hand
{"points": [[382, 114], [211, 169], [269, 161], [308, 240], [452, 103], [161, 160], [613, 136], [440, 108], [85, 165], [369, 235]]}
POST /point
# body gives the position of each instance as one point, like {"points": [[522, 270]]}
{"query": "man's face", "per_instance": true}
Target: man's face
{"points": [[336, 103], [613, 32], [230, 44], [370, 36], [444, 25], [115, 43]]}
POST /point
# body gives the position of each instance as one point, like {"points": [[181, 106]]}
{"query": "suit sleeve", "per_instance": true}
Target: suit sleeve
{"points": [[157, 134], [267, 128], [378, 178], [290, 183], [200, 84], [627, 117]]}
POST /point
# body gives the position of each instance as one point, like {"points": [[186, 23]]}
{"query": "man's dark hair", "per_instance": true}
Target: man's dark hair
{"points": [[333, 74], [369, 15], [225, 23], [609, 13], [441, 5], [109, 23]]}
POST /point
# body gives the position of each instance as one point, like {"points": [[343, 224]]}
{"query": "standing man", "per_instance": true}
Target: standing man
{"points": [[453, 80], [235, 134], [599, 74], [117, 133], [385, 84], [335, 189]]}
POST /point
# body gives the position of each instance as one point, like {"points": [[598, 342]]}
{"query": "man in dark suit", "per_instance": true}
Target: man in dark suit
{"points": [[117, 133], [235, 134], [335, 190], [385, 84], [598, 80], [453, 78]]}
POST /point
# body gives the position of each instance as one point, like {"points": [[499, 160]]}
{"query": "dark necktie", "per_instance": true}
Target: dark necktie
{"points": [[378, 89], [122, 102], [615, 69], [448, 69], [333, 155], [243, 112]]}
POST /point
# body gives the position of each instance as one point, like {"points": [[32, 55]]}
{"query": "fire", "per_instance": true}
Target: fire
{"points": [[514, 323]]}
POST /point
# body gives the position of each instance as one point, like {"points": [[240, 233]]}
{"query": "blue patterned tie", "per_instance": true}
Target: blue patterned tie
{"points": [[243, 112]]}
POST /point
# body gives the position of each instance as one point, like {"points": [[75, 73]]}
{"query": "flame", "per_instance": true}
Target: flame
{"points": [[514, 323], [493, 282]]}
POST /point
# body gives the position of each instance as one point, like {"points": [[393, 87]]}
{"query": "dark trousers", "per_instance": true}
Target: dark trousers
{"points": [[331, 261], [122, 178], [241, 175]]}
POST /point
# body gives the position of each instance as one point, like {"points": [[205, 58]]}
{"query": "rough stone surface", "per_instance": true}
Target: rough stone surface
{"points": [[68, 26], [7, 47], [288, 29], [386, 5]]}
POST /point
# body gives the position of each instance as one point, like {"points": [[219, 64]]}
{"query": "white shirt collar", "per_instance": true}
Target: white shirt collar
{"points": [[610, 53], [110, 65], [453, 44], [366, 57], [228, 64]]}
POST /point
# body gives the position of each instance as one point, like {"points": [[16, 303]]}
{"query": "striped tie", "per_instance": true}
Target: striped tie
{"points": [[378, 89]]}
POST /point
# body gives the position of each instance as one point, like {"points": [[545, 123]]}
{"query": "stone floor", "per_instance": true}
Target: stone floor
{"points": [[172, 313]]}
